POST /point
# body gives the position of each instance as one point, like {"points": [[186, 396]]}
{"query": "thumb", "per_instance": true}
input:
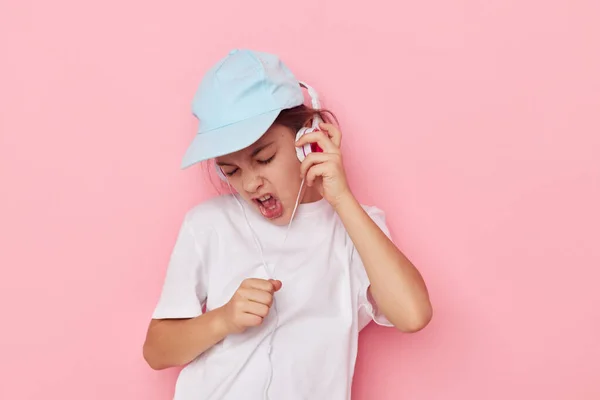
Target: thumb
{"points": [[276, 284]]}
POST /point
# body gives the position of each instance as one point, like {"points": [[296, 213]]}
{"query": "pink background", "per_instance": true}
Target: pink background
{"points": [[474, 124]]}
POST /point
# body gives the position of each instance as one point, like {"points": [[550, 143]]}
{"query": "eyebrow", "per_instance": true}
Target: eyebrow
{"points": [[254, 153]]}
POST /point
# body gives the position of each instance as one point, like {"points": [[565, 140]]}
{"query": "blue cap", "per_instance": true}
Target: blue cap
{"points": [[237, 101]]}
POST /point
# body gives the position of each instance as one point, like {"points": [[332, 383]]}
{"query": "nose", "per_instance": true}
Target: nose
{"points": [[251, 181]]}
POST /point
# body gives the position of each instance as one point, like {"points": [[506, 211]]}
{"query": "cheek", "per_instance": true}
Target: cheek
{"points": [[291, 169], [286, 175], [235, 183]]}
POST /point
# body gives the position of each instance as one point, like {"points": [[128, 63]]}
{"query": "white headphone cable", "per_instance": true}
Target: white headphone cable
{"points": [[260, 250]]}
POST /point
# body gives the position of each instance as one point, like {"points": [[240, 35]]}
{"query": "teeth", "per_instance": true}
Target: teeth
{"points": [[265, 198]]}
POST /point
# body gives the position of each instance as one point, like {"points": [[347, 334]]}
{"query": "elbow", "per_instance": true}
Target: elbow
{"points": [[158, 359], [152, 358], [417, 321], [152, 361]]}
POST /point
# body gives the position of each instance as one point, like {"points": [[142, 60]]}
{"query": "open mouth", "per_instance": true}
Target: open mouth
{"points": [[270, 207], [266, 201]]}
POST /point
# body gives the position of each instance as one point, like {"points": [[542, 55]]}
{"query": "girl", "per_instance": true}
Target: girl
{"points": [[267, 289]]}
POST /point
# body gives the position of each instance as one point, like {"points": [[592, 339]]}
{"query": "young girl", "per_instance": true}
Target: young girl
{"points": [[268, 287]]}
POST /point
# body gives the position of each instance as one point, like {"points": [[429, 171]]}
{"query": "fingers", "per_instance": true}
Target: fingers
{"points": [[329, 138], [248, 319], [313, 159], [322, 139], [257, 296], [315, 172], [276, 284], [260, 310], [333, 132], [259, 290], [251, 303], [270, 285]]}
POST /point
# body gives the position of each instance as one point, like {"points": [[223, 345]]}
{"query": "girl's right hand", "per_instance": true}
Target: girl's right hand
{"points": [[250, 304]]}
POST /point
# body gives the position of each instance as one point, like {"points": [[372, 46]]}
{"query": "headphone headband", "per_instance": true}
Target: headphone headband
{"points": [[314, 96]]}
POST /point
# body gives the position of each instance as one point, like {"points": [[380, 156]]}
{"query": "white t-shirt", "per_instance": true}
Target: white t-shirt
{"points": [[306, 347]]}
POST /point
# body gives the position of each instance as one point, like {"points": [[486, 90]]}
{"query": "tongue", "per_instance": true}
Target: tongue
{"points": [[271, 208], [269, 203]]}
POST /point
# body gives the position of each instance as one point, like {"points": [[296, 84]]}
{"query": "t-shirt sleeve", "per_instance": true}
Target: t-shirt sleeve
{"points": [[184, 289], [367, 308]]}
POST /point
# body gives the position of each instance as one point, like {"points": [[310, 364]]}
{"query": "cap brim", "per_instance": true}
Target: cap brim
{"points": [[228, 139]]}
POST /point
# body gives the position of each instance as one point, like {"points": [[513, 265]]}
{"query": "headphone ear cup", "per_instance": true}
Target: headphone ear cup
{"points": [[305, 150]]}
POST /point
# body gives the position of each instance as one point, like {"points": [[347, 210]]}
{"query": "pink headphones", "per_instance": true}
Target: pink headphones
{"points": [[308, 148]]}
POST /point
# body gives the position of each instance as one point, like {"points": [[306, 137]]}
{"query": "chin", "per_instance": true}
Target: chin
{"points": [[282, 220]]}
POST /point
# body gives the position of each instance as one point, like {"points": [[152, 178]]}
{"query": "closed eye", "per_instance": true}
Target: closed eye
{"points": [[230, 173], [268, 160], [263, 162]]}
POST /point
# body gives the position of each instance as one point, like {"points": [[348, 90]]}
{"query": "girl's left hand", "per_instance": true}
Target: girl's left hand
{"points": [[325, 170]]}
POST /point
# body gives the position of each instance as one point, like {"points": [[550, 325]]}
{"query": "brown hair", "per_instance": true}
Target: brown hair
{"points": [[297, 117]]}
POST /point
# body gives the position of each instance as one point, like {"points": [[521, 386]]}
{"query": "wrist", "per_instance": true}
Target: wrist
{"points": [[220, 325], [345, 202]]}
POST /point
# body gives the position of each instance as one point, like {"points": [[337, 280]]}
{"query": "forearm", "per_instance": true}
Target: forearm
{"points": [[176, 342], [396, 285]]}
